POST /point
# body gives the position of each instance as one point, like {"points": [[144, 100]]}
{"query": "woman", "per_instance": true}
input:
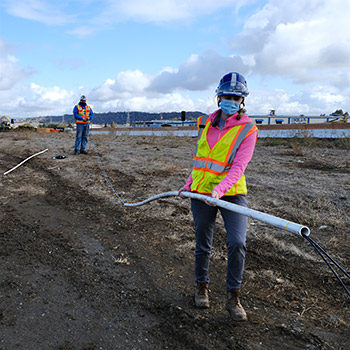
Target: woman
{"points": [[226, 142]]}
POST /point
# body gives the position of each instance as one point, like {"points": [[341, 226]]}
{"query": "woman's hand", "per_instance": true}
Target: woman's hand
{"points": [[215, 195], [182, 189]]}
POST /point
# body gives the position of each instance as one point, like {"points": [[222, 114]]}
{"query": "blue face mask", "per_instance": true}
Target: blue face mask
{"points": [[229, 107]]}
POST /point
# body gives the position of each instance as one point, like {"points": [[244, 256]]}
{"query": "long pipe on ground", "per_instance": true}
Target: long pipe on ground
{"points": [[255, 214], [292, 227], [36, 154], [289, 226], [297, 229]]}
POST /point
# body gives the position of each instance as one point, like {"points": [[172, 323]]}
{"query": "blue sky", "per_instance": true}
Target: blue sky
{"points": [[163, 56]]}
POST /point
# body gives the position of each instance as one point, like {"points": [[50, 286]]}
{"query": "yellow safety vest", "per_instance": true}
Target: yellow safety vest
{"points": [[84, 113], [211, 165]]}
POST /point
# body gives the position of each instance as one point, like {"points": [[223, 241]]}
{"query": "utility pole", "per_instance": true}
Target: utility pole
{"points": [[183, 117], [128, 119]]}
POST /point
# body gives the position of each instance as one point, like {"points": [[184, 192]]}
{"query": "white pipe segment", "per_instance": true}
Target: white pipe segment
{"points": [[255, 214], [36, 154]]}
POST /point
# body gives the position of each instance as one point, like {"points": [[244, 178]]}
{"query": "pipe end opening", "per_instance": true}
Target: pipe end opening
{"points": [[305, 231]]}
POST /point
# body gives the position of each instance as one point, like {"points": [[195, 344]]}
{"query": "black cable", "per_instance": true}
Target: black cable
{"points": [[330, 258], [321, 251]]}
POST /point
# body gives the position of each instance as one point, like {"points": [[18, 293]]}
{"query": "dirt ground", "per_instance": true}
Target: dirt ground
{"points": [[79, 271]]}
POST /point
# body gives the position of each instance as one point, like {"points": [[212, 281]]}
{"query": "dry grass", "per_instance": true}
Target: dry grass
{"points": [[285, 246], [314, 212], [296, 150], [341, 143], [317, 164]]}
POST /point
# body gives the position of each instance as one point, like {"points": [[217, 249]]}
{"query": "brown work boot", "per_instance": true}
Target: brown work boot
{"points": [[201, 296], [234, 307]]}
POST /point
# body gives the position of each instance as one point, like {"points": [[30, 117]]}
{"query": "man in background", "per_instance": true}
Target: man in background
{"points": [[83, 115]]}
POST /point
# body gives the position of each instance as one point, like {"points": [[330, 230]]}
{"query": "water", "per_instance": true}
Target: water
{"points": [[318, 133]]}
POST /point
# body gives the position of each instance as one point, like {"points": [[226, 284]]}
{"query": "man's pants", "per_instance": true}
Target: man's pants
{"points": [[81, 137], [236, 226]]}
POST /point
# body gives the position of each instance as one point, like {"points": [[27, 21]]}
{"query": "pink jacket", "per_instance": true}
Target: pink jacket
{"points": [[243, 156]]}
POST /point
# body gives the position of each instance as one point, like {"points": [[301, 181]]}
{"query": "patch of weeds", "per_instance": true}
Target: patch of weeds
{"points": [[323, 165], [296, 150], [272, 142], [26, 127], [295, 142], [316, 164], [343, 143], [314, 212], [148, 140]]}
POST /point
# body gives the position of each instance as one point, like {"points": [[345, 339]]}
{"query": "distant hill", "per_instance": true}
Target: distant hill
{"points": [[119, 117]]}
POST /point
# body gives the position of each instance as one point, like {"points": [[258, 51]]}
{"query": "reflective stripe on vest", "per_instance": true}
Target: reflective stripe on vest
{"points": [[207, 171], [84, 113], [201, 122]]}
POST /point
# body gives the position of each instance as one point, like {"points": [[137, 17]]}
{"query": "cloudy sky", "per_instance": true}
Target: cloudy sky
{"points": [[162, 56]]}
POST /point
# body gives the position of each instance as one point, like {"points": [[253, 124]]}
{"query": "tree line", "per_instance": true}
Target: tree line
{"points": [[122, 117]]}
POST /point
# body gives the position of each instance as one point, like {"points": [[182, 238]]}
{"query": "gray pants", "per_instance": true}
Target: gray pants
{"points": [[236, 226]]}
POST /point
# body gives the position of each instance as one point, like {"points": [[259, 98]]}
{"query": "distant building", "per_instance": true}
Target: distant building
{"points": [[4, 119], [162, 122]]}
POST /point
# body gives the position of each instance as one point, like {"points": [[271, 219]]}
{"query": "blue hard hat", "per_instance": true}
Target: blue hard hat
{"points": [[232, 84]]}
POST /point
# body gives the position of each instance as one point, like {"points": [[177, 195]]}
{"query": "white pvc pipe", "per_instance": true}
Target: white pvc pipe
{"points": [[255, 214], [36, 154]]}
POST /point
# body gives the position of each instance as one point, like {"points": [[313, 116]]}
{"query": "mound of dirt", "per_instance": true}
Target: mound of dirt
{"points": [[79, 271]]}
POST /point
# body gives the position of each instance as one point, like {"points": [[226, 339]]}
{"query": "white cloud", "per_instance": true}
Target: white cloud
{"points": [[297, 39], [113, 11], [169, 12], [10, 70], [198, 73], [313, 101], [131, 81], [11, 73], [108, 12], [53, 94], [38, 10], [303, 44], [168, 102], [127, 84], [33, 100], [325, 95], [323, 99], [335, 54], [160, 11], [262, 101]]}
